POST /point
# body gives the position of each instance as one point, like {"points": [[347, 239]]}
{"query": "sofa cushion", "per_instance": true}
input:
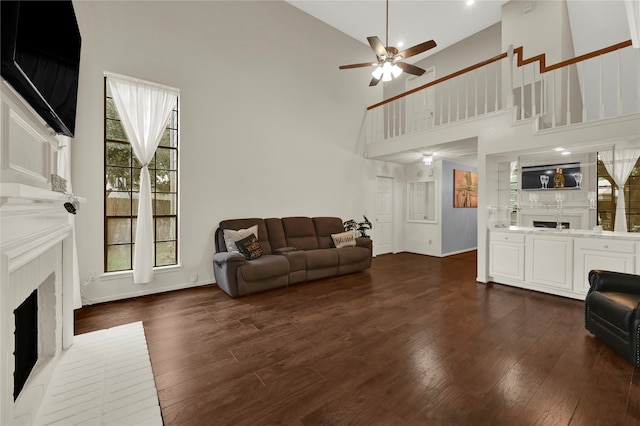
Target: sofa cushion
{"points": [[325, 226], [276, 233], [266, 266], [249, 247], [322, 258], [300, 233], [348, 255], [231, 236], [263, 235]]}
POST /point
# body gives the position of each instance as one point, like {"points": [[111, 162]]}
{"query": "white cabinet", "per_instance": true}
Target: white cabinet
{"points": [[549, 261], [506, 255], [602, 253], [558, 262]]}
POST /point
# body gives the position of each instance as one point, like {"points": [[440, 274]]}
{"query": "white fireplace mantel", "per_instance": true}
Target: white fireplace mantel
{"points": [[36, 252]]}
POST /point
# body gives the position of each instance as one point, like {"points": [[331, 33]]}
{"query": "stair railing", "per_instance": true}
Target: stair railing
{"points": [[600, 84]]}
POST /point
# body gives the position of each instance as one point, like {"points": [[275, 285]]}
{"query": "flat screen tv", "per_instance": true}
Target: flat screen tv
{"points": [[541, 177], [41, 58]]}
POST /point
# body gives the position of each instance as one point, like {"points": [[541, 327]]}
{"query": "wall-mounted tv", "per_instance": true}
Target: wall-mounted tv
{"points": [[41, 58], [542, 177]]}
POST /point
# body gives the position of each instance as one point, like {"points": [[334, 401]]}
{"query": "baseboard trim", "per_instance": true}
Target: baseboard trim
{"points": [[146, 292]]}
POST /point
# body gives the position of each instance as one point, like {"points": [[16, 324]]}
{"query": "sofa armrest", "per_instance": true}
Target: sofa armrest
{"points": [[285, 250], [224, 257], [225, 269], [364, 242], [600, 280]]}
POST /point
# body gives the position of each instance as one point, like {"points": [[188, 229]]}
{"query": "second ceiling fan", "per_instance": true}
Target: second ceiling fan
{"points": [[389, 63]]}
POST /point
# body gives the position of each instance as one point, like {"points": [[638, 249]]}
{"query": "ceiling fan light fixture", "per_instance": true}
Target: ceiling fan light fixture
{"points": [[396, 70], [387, 71], [377, 73]]}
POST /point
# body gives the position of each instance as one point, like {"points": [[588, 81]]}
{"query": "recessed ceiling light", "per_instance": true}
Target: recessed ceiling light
{"points": [[470, 2], [558, 149], [566, 153], [400, 43]]}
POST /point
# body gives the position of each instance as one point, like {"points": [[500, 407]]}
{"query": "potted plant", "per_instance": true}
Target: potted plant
{"points": [[361, 227]]}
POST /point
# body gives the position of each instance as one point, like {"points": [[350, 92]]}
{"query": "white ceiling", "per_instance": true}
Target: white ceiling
{"points": [[410, 21]]}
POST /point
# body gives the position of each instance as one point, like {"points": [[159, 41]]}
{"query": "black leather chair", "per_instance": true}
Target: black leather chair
{"points": [[612, 312]]}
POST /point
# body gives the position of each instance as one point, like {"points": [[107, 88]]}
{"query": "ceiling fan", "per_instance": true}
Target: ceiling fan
{"points": [[389, 63]]}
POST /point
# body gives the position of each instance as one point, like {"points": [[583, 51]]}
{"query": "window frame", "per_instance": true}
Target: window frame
{"points": [[632, 206], [173, 125]]}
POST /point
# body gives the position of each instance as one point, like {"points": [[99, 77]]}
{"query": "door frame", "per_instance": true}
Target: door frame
{"points": [[393, 212]]}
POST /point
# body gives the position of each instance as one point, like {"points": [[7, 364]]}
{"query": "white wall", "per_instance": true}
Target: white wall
{"points": [[269, 126], [471, 50]]}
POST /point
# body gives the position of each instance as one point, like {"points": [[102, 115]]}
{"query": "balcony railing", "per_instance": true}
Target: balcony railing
{"points": [[598, 85]]}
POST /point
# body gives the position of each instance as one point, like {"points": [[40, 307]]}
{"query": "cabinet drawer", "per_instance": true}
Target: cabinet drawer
{"points": [[507, 237], [606, 245]]}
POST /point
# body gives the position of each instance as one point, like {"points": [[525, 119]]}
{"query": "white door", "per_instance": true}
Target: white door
{"points": [[383, 225]]}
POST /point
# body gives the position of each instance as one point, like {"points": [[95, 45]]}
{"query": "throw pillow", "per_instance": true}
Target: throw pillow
{"points": [[343, 239], [231, 236], [250, 247]]}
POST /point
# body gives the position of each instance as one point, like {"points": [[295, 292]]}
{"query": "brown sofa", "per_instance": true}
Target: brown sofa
{"points": [[294, 249]]}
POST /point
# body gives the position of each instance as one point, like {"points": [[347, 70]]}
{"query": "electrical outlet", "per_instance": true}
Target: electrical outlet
{"points": [[194, 277]]}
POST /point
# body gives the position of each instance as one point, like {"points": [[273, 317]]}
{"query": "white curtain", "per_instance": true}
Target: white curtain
{"points": [[64, 171], [633, 16], [619, 163], [144, 110]]}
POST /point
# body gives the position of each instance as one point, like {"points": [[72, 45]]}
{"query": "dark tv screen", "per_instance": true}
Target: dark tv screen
{"points": [[531, 176], [41, 58]]}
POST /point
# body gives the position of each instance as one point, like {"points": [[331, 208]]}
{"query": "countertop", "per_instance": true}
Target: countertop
{"points": [[586, 233]]}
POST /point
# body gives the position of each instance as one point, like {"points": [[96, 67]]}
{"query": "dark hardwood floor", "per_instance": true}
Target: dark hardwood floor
{"points": [[412, 341]]}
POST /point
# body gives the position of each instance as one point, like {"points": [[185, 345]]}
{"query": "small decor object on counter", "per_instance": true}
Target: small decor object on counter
{"points": [[558, 180], [591, 195], [58, 184], [361, 227]]}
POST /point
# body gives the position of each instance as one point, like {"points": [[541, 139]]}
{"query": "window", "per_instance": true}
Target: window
{"points": [[121, 192], [607, 198]]}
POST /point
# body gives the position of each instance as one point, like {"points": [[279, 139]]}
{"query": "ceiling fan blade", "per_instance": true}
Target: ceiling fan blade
{"points": [[417, 49], [366, 64], [411, 69], [377, 46], [374, 81]]}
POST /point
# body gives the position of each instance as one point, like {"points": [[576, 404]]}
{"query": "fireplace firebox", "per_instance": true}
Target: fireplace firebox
{"points": [[26, 341]]}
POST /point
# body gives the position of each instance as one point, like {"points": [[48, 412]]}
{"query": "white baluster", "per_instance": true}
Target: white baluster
{"points": [[486, 90], [584, 92], [553, 98], [475, 99], [522, 115], [533, 93], [619, 83], [497, 90], [568, 68], [601, 90]]}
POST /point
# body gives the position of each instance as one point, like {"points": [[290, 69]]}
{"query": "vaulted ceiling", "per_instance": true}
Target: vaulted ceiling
{"points": [[410, 22]]}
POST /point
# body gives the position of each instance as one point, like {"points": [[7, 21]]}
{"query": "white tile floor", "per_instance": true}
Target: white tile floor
{"points": [[105, 378]]}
